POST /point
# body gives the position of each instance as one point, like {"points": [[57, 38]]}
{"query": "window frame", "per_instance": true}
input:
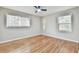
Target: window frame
{"points": [[65, 23]]}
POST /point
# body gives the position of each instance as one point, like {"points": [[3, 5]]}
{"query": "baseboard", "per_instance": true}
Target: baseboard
{"points": [[27, 36], [59, 37], [37, 35]]}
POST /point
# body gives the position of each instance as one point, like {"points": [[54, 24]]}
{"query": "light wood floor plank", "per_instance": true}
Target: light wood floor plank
{"points": [[40, 44]]}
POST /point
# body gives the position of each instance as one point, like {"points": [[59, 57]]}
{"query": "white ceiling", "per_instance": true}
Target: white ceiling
{"points": [[31, 9]]}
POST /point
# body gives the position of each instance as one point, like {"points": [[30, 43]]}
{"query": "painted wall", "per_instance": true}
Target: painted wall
{"points": [[46, 25], [12, 33], [50, 25]]}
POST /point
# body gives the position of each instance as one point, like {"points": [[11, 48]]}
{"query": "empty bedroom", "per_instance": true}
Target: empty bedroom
{"points": [[39, 29]]}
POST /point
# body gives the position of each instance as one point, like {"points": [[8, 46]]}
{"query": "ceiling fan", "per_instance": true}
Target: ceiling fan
{"points": [[38, 9]]}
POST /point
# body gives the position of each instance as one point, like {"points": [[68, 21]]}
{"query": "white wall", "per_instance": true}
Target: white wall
{"points": [[48, 23], [13, 33], [51, 25]]}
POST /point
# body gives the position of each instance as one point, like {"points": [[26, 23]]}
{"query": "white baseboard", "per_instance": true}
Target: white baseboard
{"points": [[59, 37], [27, 36]]}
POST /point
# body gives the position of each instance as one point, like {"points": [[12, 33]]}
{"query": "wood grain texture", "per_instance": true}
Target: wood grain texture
{"points": [[39, 44]]}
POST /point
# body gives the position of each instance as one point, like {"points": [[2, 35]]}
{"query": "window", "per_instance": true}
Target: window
{"points": [[17, 21], [65, 23]]}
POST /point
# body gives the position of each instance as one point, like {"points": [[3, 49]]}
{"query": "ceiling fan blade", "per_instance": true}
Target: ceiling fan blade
{"points": [[36, 11], [39, 7], [43, 9], [36, 7]]}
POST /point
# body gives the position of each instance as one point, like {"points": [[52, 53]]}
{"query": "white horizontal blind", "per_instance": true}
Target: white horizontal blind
{"points": [[17, 21]]}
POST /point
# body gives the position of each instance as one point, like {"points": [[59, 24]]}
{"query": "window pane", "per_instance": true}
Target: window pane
{"points": [[64, 19], [17, 21], [65, 27]]}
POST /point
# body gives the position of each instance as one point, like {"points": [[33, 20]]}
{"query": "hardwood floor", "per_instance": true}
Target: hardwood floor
{"points": [[39, 44]]}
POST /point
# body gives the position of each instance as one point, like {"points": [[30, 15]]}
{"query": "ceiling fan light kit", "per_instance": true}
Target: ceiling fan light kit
{"points": [[38, 10]]}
